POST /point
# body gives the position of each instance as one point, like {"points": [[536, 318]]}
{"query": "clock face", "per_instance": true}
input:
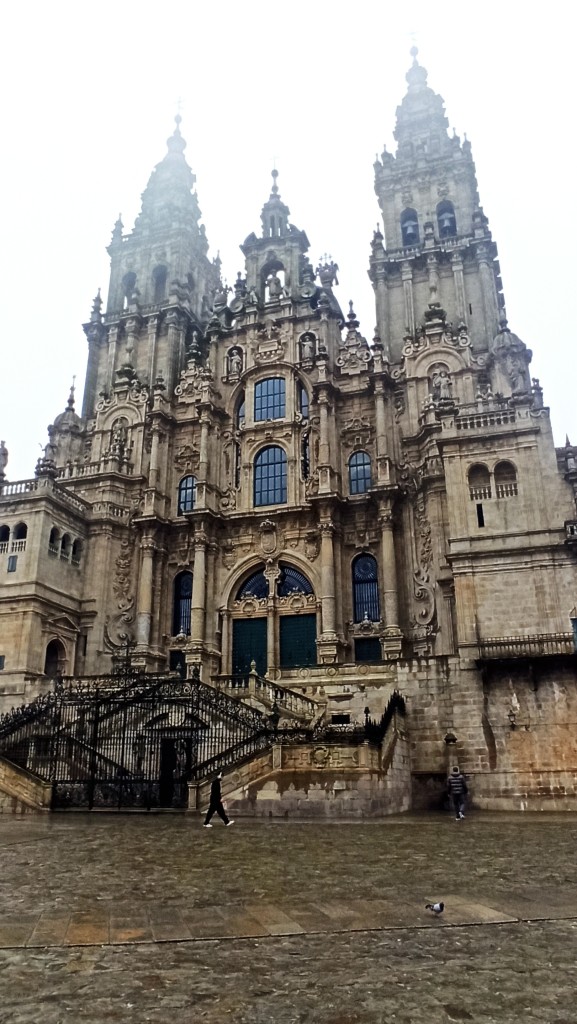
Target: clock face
{"points": [[308, 290], [236, 305]]}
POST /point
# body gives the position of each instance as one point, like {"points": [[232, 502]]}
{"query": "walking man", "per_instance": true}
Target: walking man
{"points": [[215, 806], [457, 791]]}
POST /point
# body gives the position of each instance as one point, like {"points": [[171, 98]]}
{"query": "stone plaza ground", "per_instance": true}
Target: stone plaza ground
{"points": [[153, 918]]}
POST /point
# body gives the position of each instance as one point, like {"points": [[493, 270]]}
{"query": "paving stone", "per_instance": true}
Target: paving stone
{"points": [[124, 919]]}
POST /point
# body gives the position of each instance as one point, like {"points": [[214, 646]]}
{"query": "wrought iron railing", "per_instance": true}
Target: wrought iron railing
{"points": [[538, 645]]}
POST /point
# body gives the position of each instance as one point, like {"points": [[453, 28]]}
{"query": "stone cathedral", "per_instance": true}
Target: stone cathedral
{"points": [[255, 488]]}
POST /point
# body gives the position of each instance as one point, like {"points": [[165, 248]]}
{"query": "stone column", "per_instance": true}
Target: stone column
{"points": [[488, 293], [407, 279], [198, 603], [391, 643], [153, 470], [459, 283], [328, 602], [390, 593], [382, 448], [144, 613]]}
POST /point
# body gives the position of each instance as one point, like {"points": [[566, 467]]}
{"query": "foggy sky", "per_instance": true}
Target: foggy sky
{"points": [[90, 92]]}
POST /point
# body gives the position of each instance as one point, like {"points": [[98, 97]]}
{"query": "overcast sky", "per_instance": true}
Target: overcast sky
{"points": [[90, 91]]}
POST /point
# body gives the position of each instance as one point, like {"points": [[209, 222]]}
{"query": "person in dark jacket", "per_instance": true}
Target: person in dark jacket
{"points": [[457, 791], [215, 806]]}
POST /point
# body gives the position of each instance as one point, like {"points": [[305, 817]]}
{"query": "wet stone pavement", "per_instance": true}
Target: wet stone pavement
{"points": [[153, 918]]}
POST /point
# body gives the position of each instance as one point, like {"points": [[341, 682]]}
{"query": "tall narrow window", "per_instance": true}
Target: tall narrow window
{"points": [[181, 614], [359, 473], [269, 399], [270, 476], [4, 538], [159, 275], [128, 286], [366, 602], [410, 227], [303, 400], [186, 494], [241, 413]]}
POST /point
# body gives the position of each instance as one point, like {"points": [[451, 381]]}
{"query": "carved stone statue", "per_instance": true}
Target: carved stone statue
{"points": [[235, 362], [3, 458], [307, 347], [275, 288]]}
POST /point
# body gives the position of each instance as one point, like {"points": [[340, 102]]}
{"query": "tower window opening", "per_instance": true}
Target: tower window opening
{"points": [[480, 516], [128, 286], [241, 413], [159, 275], [446, 219], [479, 483], [410, 227], [505, 480], [470, 309]]}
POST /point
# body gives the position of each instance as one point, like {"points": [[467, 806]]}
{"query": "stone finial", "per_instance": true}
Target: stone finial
{"points": [[96, 314], [3, 459]]}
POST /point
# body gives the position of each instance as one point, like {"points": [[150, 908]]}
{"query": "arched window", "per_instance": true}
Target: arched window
{"points": [[446, 219], [291, 581], [359, 473], [366, 602], [270, 476], [410, 227], [255, 586], [20, 531], [303, 400], [269, 399], [76, 551], [4, 537], [128, 286], [65, 546], [186, 494], [505, 480], [479, 483], [159, 275], [54, 541], [55, 659], [182, 604]]}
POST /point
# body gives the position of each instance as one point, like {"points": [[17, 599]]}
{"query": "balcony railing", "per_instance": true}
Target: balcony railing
{"points": [[540, 645]]}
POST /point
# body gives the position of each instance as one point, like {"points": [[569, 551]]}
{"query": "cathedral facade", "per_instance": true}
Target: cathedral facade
{"points": [[253, 485]]}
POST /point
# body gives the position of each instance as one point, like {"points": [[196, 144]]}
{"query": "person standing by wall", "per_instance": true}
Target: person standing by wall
{"points": [[457, 791]]}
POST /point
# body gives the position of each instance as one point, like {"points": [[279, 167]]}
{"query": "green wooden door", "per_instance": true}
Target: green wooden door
{"points": [[248, 644], [298, 634]]}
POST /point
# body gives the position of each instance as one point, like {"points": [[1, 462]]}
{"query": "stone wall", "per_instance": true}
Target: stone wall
{"points": [[21, 792], [324, 780]]}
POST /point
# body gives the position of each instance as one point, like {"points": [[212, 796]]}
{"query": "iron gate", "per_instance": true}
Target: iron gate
{"points": [[113, 743]]}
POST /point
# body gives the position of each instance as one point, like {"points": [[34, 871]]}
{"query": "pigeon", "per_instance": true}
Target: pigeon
{"points": [[437, 908]]}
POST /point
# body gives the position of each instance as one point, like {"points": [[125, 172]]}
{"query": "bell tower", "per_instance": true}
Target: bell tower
{"points": [[161, 283], [437, 249]]}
